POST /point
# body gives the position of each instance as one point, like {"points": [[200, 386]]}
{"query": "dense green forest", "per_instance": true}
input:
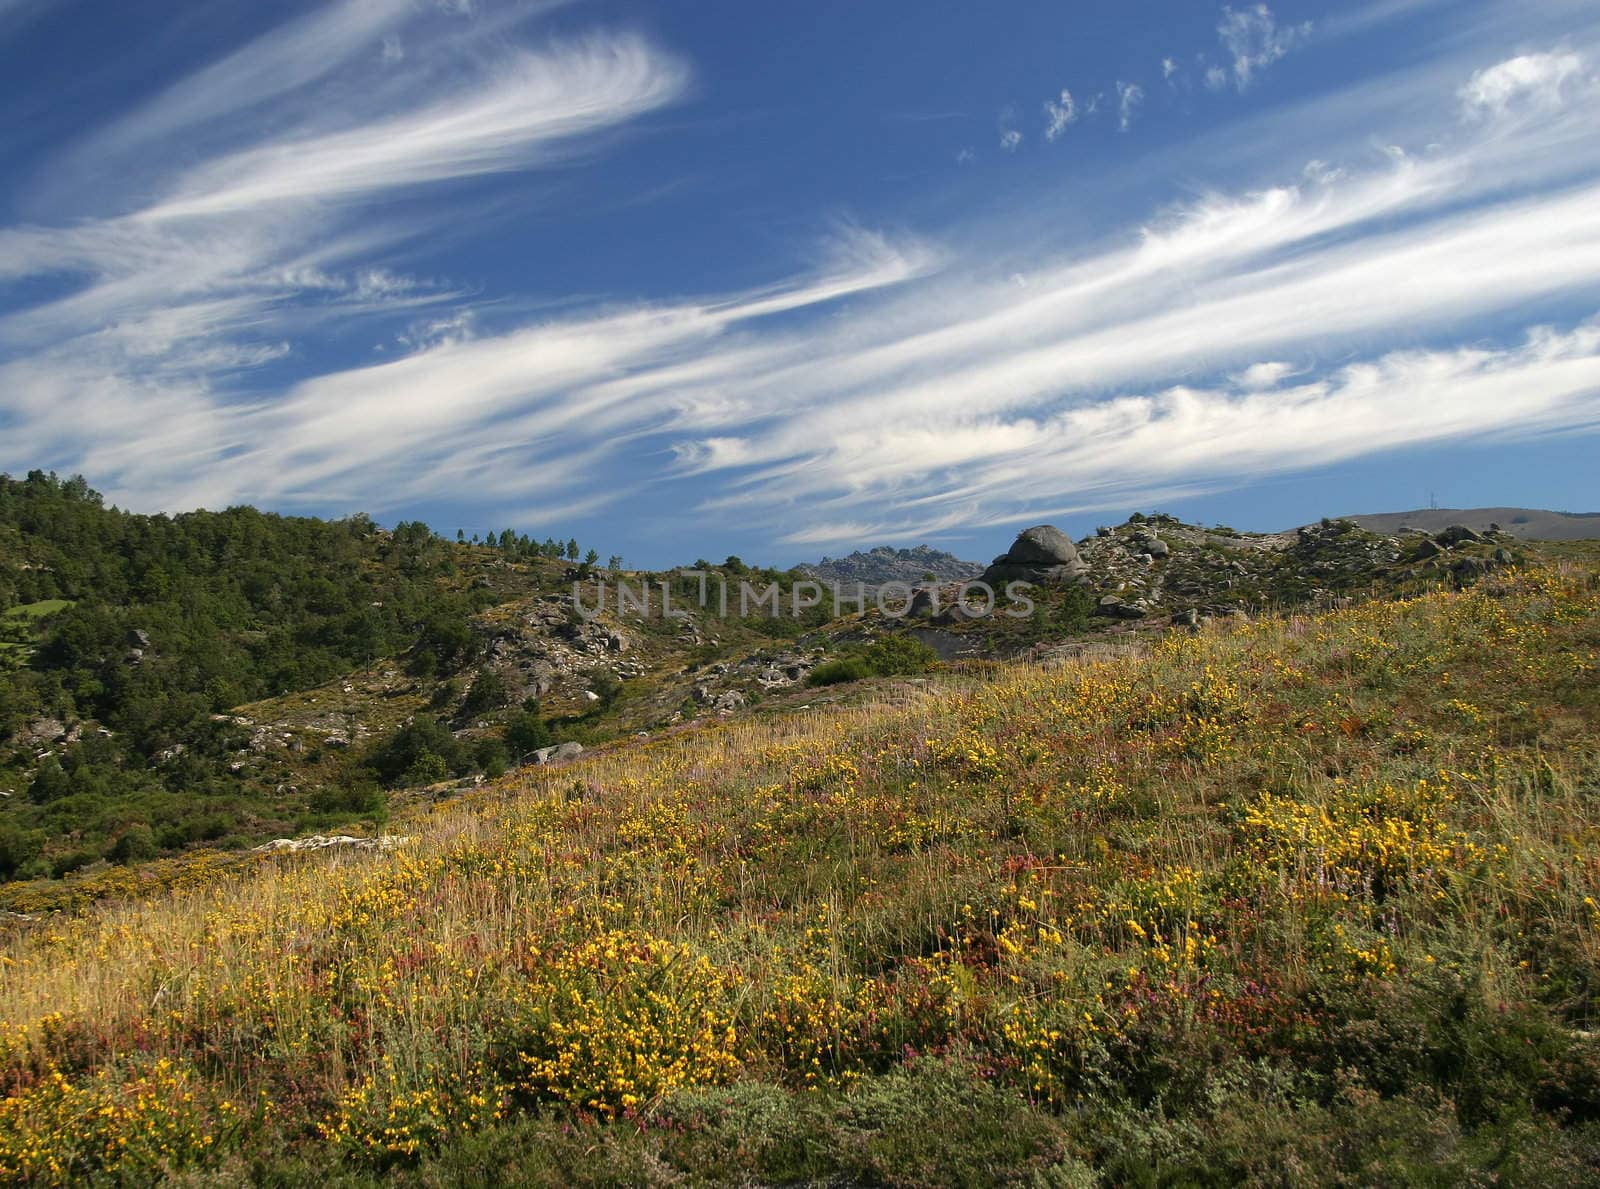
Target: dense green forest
{"points": [[124, 637]]}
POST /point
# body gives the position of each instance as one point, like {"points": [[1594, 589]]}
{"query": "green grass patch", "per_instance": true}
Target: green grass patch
{"points": [[36, 611]]}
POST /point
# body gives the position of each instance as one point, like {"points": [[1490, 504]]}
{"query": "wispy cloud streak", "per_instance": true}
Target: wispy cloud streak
{"points": [[902, 385]]}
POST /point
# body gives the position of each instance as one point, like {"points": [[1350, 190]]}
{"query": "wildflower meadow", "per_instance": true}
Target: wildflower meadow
{"points": [[1306, 900]]}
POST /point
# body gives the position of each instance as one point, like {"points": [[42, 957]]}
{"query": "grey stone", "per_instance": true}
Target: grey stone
{"points": [[42, 730], [557, 753], [1042, 554], [1044, 543], [1457, 534], [1115, 608]]}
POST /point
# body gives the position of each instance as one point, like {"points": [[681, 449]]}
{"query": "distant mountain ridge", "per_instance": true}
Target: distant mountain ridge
{"points": [[1530, 524], [874, 567]]}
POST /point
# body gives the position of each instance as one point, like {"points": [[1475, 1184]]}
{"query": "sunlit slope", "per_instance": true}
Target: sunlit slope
{"points": [[1348, 853]]}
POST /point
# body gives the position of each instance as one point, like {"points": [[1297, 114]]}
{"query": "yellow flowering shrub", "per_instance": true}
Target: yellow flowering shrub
{"points": [[136, 1122], [623, 1017], [389, 1117]]}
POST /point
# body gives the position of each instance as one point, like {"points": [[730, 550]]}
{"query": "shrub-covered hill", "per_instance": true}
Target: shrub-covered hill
{"points": [[217, 679], [1310, 900], [126, 636]]}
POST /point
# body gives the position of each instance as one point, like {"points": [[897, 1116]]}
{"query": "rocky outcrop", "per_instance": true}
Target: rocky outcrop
{"points": [[1043, 555], [1458, 534], [280, 846], [41, 730], [876, 567]]}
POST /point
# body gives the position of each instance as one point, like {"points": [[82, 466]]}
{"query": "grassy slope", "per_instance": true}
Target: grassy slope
{"points": [[1314, 894], [36, 610]]}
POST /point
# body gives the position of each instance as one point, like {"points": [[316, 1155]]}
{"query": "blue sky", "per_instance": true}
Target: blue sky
{"points": [[712, 277]]}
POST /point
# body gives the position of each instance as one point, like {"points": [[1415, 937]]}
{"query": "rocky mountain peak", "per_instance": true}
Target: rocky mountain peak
{"points": [[884, 563]]}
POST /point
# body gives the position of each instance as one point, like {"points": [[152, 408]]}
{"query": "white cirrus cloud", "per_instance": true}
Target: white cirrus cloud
{"points": [[898, 384], [1129, 97], [1535, 80], [1268, 374], [532, 106], [1254, 40], [1061, 113]]}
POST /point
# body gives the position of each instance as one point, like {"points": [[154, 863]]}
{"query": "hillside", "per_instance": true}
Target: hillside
{"points": [[1305, 893], [221, 679], [1529, 524], [216, 681]]}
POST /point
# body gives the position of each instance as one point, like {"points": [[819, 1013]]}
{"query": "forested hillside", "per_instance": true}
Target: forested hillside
{"points": [[125, 637]]}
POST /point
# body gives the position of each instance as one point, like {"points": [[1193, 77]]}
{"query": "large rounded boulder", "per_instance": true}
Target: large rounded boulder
{"points": [[1042, 554]]}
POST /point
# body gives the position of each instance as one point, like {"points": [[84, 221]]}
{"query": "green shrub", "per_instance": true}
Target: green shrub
{"points": [[50, 783], [892, 656], [489, 692], [852, 668], [137, 843], [421, 752], [17, 848], [899, 655], [526, 730]]}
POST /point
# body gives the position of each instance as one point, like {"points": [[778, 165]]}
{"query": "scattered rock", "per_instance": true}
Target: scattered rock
{"points": [[331, 842], [1115, 608], [560, 753], [1457, 534]]}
